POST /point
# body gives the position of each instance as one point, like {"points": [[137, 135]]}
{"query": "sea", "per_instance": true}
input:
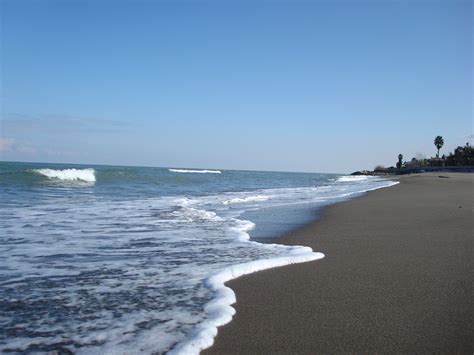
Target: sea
{"points": [[127, 260]]}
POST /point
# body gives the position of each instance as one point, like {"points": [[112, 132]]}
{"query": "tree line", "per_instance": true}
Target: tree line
{"points": [[462, 156]]}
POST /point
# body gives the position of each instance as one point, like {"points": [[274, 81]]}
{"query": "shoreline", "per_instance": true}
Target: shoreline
{"points": [[220, 309], [395, 278]]}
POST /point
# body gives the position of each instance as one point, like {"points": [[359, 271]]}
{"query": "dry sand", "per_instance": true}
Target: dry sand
{"points": [[397, 278]]}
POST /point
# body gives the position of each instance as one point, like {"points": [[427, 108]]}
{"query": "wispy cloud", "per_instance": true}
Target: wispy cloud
{"points": [[6, 144], [54, 123], [10, 145], [52, 137]]}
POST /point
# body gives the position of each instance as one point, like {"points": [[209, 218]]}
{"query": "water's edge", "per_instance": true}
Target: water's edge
{"points": [[318, 214], [220, 308], [110, 260]]}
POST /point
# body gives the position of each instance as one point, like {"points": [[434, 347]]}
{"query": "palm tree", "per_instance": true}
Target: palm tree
{"points": [[438, 142], [399, 163]]}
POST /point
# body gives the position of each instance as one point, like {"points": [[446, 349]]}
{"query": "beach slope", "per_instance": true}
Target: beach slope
{"points": [[397, 277]]}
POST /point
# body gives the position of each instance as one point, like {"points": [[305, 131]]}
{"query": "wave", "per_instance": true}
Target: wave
{"points": [[351, 178], [195, 171], [68, 174], [220, 308], [188, 244], [256, 198], [190, 214]]}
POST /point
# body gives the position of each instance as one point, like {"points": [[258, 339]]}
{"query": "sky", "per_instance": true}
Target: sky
{"points": [[317, 86]]}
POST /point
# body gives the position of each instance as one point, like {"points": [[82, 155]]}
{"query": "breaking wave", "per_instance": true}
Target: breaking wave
{"points": [[68, 174], [256, 198], [352, 178], [138, 264], [195, 171]]}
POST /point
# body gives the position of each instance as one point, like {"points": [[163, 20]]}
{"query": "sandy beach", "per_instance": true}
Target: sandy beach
{"points": [[397, 278]]}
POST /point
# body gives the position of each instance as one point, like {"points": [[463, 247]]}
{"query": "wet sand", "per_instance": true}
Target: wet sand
{"points": [[397, 278]]}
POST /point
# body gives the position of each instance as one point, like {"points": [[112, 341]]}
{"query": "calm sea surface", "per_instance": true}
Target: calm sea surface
{"points": [[104, 259]]}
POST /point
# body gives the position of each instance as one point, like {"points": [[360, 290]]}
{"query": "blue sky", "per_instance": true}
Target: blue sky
{"points": [[324, 86]]}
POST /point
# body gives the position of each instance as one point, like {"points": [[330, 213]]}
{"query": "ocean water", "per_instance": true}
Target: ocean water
{"points": [[112, 260]]}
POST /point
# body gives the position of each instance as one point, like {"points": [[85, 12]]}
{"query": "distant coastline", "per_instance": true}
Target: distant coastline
{"points": [[415, 170]]}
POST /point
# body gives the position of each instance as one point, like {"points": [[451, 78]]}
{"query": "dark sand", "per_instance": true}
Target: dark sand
{"points": [[397, 278]]}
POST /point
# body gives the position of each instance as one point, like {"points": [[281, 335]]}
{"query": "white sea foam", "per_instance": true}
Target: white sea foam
{"points": [[256, 198], [353, 178], [138, 271], [191, 214], [195, 171], [220, 310], [68, 174]]}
